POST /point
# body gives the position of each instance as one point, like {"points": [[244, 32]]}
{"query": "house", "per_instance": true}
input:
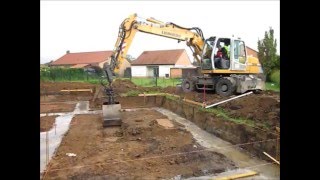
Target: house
{"points": [[86, 60], [252, 52], [168, 63]]}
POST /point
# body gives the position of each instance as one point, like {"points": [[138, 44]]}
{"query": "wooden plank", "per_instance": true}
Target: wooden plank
{"points": [[173, 95], [271, 158], [69, 90], [194, 102], [158, 94], [236, 176]]}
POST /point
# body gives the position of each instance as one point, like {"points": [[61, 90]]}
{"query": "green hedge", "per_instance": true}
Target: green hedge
{"points": [[275, 76], [66, 74]]}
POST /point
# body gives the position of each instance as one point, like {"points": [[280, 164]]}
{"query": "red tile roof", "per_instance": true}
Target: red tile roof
{"points": [[251, 49], [158, 57], [79, 65], [83, 58]]}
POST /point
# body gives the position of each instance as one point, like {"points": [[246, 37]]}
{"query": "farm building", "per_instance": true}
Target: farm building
{"points": [[251, 52], [168, 63], [86, 60]]}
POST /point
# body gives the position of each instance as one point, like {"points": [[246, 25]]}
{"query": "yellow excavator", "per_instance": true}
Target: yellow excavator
{"points": [[225, 66]]}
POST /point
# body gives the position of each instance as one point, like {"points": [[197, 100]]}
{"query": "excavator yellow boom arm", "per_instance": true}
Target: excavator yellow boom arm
{"points": [[131, 25]]}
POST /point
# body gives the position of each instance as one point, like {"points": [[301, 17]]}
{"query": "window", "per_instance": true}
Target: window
{"points": [[239, 51]]}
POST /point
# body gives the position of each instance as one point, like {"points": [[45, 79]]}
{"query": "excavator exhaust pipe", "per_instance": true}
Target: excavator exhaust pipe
{"points": [[111, 114]]}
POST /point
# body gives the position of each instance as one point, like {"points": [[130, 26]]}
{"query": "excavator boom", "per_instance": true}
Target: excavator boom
{"points": [[127, 31], [226, 76]]}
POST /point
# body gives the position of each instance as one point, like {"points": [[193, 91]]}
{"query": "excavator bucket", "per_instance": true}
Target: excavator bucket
{"points": [[111, 114]]}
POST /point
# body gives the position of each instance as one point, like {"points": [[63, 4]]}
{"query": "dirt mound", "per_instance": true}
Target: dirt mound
{"points": [[123, 86], [171, 90], [255, 107], [55, 87]]}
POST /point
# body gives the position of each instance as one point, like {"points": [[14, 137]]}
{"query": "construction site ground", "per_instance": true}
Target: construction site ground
{"points": [[263, 108], [141, 148], [150, 144], [46, 123]]}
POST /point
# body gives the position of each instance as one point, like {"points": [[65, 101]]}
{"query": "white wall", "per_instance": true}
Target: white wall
{"points": [[141, 71], [183, 66], [164, 69], [138, 71]]}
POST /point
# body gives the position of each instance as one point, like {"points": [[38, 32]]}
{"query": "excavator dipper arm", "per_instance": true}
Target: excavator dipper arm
{"points": [[193, 36]]}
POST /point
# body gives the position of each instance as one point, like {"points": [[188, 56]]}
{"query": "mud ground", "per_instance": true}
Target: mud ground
{"points": [[140, 149], [263, 107], [46, 123], [51, 91], [55, 87], [57, 107]]}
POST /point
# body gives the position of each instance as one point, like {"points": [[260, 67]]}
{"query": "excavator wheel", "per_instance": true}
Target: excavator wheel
{"points": [[188, 85], [224, 87]]}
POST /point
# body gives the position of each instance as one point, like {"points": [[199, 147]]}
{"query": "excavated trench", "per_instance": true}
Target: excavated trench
{"points": [[219, 135], [235, 133]]}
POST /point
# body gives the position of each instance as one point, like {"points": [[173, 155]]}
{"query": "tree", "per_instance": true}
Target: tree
{"points": [[267, 48], [130, 58]]}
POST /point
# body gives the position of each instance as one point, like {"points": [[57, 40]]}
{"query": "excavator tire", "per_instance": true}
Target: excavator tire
{"points": [[224, 87], [188, 85]]}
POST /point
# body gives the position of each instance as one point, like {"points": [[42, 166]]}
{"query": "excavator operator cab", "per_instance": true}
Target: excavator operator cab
{"points": [[206, 62], [224, 54]]}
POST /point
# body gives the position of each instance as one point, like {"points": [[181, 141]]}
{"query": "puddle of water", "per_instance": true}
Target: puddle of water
{"points": [[56, 134], [208, 140]]}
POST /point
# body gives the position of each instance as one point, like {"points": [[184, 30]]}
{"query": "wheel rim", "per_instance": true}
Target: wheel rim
{"points": [[187, 85], [224, 88]]}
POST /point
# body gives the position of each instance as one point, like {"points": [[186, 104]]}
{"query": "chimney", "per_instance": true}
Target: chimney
{"points": [[68, 52]]}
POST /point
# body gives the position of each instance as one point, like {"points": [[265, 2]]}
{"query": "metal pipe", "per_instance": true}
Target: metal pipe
{"points": [[215, 104]]}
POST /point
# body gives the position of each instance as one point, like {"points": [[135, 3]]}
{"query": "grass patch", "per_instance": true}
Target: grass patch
{"points": [[174, 98], [152, 82], [91, 81], [275, 76], [221, 113], [272, 86], [133, 93]]}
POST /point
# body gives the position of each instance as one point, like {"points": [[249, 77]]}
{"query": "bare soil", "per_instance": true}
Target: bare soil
{"points": [[256, 107], [46, 123], [56, 107], [139, 149], [51, 91], [56, 87], [264, 107]]}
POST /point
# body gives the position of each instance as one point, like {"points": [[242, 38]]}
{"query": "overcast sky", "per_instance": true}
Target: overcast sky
{"points": [[82, 26]]}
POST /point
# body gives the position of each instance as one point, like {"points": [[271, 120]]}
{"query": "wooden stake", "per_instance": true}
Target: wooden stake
{"points": [[271, 158], [236, 176], [69, 90]]}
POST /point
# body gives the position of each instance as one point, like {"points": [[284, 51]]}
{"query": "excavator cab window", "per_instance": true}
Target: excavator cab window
{"points": [[206, 60], [239, 51], [222, 54]]}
